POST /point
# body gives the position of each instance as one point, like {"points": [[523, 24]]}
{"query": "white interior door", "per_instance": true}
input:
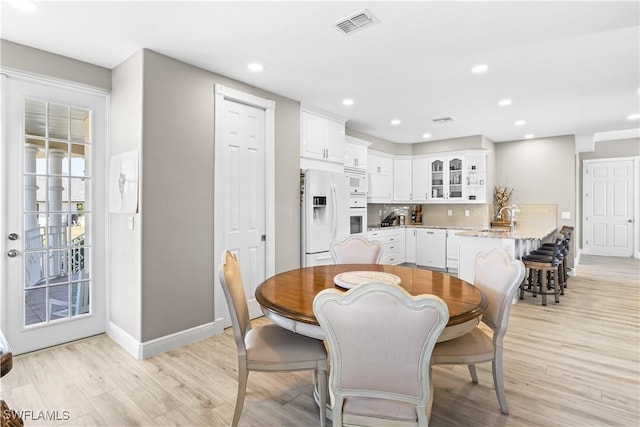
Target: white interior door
{"points": [[608, 206], [53, 221], [243, 189]]}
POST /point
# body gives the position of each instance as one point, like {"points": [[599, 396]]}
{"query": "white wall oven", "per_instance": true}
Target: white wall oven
{"points": [[357, 214]]}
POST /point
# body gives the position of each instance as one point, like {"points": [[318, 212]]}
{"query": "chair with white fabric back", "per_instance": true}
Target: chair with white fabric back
{"points": [[268, 347], [356, 250], [498, 276], [380, 340]]}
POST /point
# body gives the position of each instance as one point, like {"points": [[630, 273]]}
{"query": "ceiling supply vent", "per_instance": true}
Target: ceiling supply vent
{"points": [[443, 120], [355, 22]]}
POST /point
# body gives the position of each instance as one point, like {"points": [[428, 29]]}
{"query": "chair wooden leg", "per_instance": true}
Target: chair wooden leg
{"points": [[498, 381], [473, 373], [243, 374], [557, 286], [543, 286]]}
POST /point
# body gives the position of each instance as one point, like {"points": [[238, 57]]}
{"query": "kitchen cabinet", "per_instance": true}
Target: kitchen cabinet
{"points": [[355, 153], [420, 179], [445, 178], [322, 138], [393, 244], [459, 177], [380, 170], [402, 180], [410, 244], [475, 178], [453, 250], [431, 248]]}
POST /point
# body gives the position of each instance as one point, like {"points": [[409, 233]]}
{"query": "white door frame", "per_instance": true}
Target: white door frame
{"points": [[100, 263], [636, 201], [223, 93]]}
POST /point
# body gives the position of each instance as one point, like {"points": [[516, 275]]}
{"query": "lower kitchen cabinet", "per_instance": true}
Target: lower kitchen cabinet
{"points": [[410, 236], [431, 248], [392, 239], [453, 249]]}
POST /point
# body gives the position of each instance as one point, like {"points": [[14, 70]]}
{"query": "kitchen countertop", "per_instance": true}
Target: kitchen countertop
{"points": [[522, 232], [376, 227]]}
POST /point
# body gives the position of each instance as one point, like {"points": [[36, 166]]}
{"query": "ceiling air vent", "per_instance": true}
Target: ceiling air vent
{"points": [[355, 22], [443, 120]]}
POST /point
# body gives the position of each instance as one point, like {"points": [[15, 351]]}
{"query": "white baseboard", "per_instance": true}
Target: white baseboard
{"points": [[178, 339], [143, 350], [123, 339]]}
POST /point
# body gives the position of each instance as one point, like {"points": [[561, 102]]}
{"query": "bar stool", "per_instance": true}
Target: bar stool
{"points": [[545, 272], [567, 231], [546, 250]]}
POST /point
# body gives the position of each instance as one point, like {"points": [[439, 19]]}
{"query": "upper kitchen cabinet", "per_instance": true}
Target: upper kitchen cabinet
{"points": [[475, 178], [355, 153], [380, 170], [445, 174], [402, 180], [420, 179], [458, 177], [322, 142]]}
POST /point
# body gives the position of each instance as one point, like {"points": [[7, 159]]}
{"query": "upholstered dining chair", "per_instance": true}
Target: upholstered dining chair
{"points": [[356, 250], [380, 340], [268, 347], [498, 276]]}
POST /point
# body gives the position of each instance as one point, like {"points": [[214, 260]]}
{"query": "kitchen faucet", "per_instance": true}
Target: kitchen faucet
{"points": [[512, 225]]}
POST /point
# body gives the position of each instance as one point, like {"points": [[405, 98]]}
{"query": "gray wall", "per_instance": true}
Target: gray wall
{"points": [[24, 58], [541, 171], [177, 199]]}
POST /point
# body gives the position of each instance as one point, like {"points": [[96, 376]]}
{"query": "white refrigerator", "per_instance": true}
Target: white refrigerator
{"points": [[324, 214]]}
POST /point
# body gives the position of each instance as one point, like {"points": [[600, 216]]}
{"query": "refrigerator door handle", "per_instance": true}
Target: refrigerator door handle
{"points": [[334, 219]]}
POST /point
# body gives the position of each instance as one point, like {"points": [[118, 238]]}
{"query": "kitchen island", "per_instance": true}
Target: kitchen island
{"points": [[523, 240]]}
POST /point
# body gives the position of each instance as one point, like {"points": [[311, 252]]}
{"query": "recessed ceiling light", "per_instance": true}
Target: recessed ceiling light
{"points": [[504, 102], [480, 68], [426, 135], [24, 5], [348, 102], [254, 66], [520, 123], [529, 136], [635, 116], [395, 122]]}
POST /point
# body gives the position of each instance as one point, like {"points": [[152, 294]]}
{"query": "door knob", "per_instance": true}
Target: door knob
{"points": [[13, 236], [13, 253]]}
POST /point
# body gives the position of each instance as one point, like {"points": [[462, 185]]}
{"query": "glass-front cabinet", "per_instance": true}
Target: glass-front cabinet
{"points": [[447, 178]]}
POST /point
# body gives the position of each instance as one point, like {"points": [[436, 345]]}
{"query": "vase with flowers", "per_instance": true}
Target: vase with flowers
{"points": [[502, 195]]}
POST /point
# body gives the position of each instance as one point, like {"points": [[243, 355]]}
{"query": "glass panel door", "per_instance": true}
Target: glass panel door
{"points": [[57, 211], [54, 227]]}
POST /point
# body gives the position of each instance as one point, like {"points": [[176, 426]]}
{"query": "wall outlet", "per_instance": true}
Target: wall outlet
{"points": [[130, 223], [467, 212], [566, 215], [450, 212]]}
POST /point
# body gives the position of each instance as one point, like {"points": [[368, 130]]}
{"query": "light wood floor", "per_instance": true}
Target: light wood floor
{"points": [[570, 364]]}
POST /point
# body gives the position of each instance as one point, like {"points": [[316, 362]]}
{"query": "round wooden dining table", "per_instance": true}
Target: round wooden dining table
{"points": [[287, 298]]}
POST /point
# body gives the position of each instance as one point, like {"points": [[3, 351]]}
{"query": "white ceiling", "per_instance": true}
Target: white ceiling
{"points": [[569, 67]]}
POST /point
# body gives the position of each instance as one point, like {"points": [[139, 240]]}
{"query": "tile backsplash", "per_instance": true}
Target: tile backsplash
{"points": [[479, 216]]}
